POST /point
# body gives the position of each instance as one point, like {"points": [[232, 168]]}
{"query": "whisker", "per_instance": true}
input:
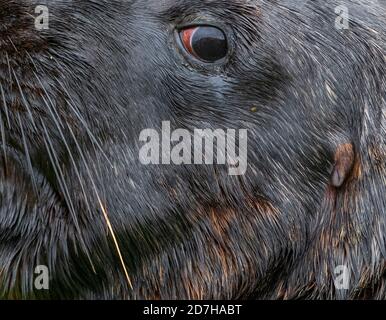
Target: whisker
{"points": [[91, 135], [50, 150], [54, 161], [106, 217], [5, 105], [59, 174], [9, 68], [72, 104], [63, 186], [13, 45], [115, 242], [27, 154], [3, 140], [54, 116], [2, 124], [26, 104]]}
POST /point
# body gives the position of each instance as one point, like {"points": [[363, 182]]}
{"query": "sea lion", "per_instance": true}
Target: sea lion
{"points": [[80, 80]]}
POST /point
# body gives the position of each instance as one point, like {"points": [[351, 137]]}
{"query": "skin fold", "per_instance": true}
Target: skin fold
{"points": [[75, 97]]}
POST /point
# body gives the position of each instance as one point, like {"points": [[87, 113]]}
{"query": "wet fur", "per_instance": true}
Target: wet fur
{"points": [[75, 98]]}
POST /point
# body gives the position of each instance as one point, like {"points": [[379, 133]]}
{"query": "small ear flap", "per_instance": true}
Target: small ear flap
{"points": [[344, 163]]}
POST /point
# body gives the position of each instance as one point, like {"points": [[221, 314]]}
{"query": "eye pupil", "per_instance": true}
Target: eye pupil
{"points": [[206, 43]]}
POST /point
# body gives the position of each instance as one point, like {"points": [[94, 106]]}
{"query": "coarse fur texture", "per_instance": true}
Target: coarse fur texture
{"points": [[75, 97]]}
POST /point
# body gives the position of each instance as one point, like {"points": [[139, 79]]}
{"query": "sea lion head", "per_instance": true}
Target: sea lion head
{"points": [[83, 82]]}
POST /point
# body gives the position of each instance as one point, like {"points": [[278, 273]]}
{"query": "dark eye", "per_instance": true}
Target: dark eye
{"points": [[206, 43]]}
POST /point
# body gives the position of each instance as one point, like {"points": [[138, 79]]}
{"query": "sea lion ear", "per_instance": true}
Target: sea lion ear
{"points": [[344, 164]]}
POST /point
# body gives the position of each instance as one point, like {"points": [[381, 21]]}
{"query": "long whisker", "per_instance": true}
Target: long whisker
{"points": [[104, 211], [27, 154], [26, 104], [59, 174], [2, 125], [52, 155], [9, 69], [13, 45], [51, 152], [115, 242], [54, 116], [3, 141], [51, 110], [91, 135], [72, 104], [5, 105]]}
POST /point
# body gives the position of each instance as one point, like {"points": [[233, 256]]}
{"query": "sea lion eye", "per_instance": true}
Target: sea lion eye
{"points": [[206, 43]]}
